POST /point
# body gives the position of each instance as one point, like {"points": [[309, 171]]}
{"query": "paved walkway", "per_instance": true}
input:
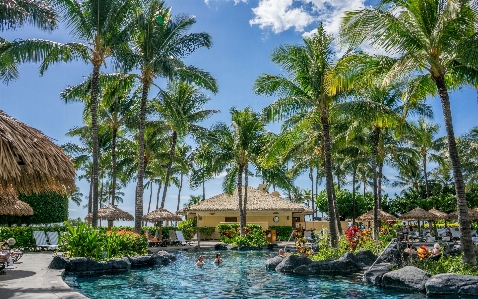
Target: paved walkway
{"points": [[31, 278]]}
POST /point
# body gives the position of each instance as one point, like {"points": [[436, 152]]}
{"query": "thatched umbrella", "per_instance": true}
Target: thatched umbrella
{"points": [[382, 215], [30, 161], [161, 215], [440, 215], [111, 213], [11, 205], [473, 214], [417, 214]]}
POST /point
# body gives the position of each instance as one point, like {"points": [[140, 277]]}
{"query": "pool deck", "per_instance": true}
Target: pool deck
{"points": [[31, 278]]}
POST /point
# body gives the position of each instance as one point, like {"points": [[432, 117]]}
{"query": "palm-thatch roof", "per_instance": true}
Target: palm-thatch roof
{"points": [[473, 214], [418, 213], [161, 215], [11, 205], [111, 212], [439, 214], [257, 200], [30, 162], [382, 215]]}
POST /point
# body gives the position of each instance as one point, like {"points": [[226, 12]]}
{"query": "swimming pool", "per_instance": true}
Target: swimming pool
{"points": [[242, 275]]}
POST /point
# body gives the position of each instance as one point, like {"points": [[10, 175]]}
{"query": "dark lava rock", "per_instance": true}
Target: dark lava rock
{"points": [[86, 266], [271, 246], [452, 284], [318, 268], [220, 246], [58, 262], [163, 257], [247, 248], [347, 264], [273, 262], [374, 275], [391, 255], [407, 278], [230, 247], [289, 263], [141, 261], [365, 257]]}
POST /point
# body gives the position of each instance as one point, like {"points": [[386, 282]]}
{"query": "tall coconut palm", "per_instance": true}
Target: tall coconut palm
{"points": [[234, 148], [314, 83], [160, 43], [436, 43], [180, 108]]}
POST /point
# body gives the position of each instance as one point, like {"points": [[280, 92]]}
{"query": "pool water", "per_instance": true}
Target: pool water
{"points": [[241, 275]]}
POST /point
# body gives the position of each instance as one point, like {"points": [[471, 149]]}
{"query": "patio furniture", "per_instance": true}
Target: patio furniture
{"points": [[180, 236], [41, 241], [53, 240]]}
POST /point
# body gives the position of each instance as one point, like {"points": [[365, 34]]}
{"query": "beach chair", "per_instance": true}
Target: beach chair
{"points": [[40, 239], [173, 237], [180, 236], [455, 233], [53, 240]]}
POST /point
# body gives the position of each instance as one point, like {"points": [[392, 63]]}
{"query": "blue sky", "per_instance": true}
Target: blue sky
{"points": [[244, 32]]}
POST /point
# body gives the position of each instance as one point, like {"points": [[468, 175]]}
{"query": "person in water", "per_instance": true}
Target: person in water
{"points": [[200, 261], [218, 259]]}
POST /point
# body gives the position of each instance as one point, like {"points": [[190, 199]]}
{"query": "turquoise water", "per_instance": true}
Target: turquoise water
{"points": [[242, 275]]}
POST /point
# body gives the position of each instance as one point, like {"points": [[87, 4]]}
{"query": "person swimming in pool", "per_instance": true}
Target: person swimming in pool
{"points": [[218, 259], [200, 261]]}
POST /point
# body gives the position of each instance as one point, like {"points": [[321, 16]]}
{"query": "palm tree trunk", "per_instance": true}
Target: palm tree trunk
{"points": [[244, 203], [239, 194], [379, 188], [94, 132], [203, 190], [179, 192], [354, 212], [160, 184], [172, 151], [90, 197], [150, 194], [316, 188], [329, 181], [138, 211], [311, 176], [337, 216], [113, 165], [469, 256], [376, 224], [425, 175]]}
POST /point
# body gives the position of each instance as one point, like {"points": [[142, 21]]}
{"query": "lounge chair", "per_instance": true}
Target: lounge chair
{"points": [[53, 240], [180, 236], [41, 241], [173, 237], [455, 233]]}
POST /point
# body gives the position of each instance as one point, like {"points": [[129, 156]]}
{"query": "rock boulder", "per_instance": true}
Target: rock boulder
{"points": [[58, 262], [289, 263], [407, 278], [374, 276], [442, 284], [272, 263], [365, 257]]}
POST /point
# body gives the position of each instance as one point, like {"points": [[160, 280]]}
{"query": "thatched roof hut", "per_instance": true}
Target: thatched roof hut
{"points": [[472, 213], [418, 213], [257, 200], [382, 215], [439, 214], [111, 213], [11, 205], [30, 161], [161, 215]]}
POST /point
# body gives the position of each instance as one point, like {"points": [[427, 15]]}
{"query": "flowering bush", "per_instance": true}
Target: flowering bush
{"points": [[353, 236], [423, 252]]}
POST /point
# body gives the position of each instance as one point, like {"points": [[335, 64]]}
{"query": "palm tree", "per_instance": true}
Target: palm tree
{"points": [[159, 45], [76, 196], [436, 43], [314, 83], [180, 108], [234, 148]]}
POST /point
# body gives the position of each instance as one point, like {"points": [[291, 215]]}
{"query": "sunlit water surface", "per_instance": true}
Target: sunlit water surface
{"points": [[241, 275]]}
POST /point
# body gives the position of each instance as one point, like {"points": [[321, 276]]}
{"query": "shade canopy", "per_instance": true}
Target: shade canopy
{"points": [[30, 162], [418, 213], [381, 216], [11, 205], [161, 215], [473, 214], [439, 214], [111, 212]]}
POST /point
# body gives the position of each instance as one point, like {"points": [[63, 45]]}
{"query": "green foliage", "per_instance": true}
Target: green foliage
{"points": [[23, 235], [48, 207], [446, 264], [282, 232], [345, 203], [206, 231], [85, 241], [230, 234], [188, 227]]}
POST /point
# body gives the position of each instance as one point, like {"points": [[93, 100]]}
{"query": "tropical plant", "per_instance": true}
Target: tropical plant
{"points": [[435, 41]]}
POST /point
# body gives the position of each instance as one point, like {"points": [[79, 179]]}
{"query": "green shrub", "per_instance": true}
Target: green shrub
{"points": [[282, 232], [446, 264], [86, 241], [188, 228], [230, 234]]}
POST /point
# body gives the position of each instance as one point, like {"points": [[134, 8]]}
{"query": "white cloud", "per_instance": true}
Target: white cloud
{"points": [[220, 175], [235, 1], [281, 15]]}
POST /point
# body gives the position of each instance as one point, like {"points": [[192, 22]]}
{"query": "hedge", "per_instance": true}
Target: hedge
{"points": [[282, 232], [48, 207]]}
